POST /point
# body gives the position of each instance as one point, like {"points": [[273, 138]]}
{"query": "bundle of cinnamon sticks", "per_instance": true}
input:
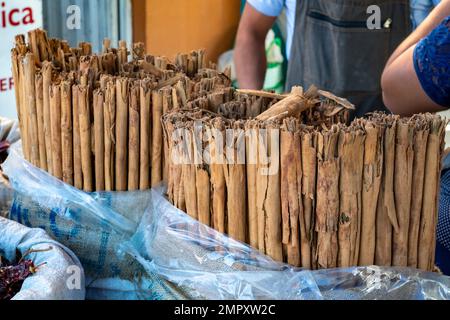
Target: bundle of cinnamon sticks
{"points": [[303, 186], [93, 120]]}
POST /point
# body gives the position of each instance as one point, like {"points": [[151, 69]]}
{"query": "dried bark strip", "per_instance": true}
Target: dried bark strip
{"points": [[55, 107], [420, 153], [121, 134], [327, 199], [30, 107], [146, 135], [404, 160], [67, 132], [428, 222], [133, 138], [99, 140], [109, 117], [157, 144], [40, 121], [85, 138], [350, 146], [386, 214]]}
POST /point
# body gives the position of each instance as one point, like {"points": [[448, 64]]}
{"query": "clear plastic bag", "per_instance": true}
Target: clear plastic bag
{"points": [[208, 265]]}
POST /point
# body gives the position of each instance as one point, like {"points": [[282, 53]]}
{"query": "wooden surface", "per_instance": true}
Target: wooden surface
{"points": [[174, 26]]}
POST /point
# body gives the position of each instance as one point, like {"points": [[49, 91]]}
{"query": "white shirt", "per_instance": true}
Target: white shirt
{"points": [[273, 8]]}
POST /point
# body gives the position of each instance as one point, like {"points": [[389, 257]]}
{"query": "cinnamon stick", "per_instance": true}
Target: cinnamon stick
{"points": [[327, 203], [146, 134], [251, 169], [40, 121], [121, 134], [373, 171], [351, 144], [309, 163], [420, 153], [386, 213], [157, 148], [218, 187], [46, 84], [109, 116], [77, 169], [428, 220], [404, 157], [134, 145], [30, 103], [84, 110], [235, 183], [291, 204]]}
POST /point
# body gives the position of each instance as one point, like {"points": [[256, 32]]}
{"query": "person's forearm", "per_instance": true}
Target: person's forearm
{"points": [[432, 21], [250, 60]]}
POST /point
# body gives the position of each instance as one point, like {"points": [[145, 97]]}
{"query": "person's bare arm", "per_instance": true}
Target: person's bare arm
{"points": [[402, 92], [436, 16], [250, 54]]}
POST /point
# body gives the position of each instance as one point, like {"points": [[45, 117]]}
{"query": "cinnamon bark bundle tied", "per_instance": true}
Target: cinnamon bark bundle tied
{"points": [[373, 171]]}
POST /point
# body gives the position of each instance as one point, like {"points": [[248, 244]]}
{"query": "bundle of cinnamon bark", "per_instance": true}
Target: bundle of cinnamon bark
{"points": [[93, 120], [303, 186]]}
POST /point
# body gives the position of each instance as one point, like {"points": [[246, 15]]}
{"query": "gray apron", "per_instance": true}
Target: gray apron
{"points": [[334, 50]]}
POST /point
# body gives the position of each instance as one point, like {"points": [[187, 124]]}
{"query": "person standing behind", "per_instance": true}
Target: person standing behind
{"points": [[329, 45]]}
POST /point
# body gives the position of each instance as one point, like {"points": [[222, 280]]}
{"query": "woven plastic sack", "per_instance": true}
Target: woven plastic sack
{"points": [[208, 265], [53, 279]]}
